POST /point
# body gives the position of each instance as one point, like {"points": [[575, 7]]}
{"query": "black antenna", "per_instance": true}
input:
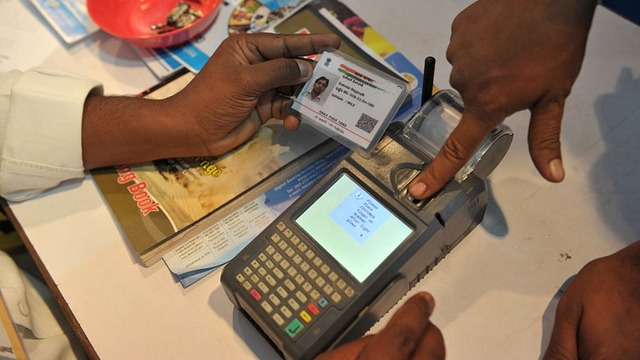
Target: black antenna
{"points": [[427, 78]]}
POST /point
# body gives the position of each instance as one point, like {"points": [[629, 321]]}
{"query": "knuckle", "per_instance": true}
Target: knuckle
{"points": [[406, 340], [454, 151]]}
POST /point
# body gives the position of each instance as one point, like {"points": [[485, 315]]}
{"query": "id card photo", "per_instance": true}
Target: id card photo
{"points": [[349, 101]]}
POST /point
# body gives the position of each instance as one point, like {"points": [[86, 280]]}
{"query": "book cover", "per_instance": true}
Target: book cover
{"points": [[154, 201]]}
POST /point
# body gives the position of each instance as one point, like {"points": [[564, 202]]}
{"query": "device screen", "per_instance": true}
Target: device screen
{"points": [[354, 227]]}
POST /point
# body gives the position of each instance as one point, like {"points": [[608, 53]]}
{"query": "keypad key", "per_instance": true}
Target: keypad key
{"points": [[294, 304], [264, 288], [270, 250], [304, 315], [274, 299], [267, 307], [271, 280], [307, 287], [313, 309], [294, 327], [301, 296], [328, 289], [312, 274], [255, 294], [317, 262], [282, 292], [333, 276], [292, 271], [278, 319], [286, 312], [305, 267], [325, 269], [322, 302], [247, 285], [279, 274], [335, 297], [262, 271], [349, 292], [290, 285]]}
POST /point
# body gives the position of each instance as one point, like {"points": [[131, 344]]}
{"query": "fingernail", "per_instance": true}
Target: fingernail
{"points": [[417, 189], [556, 169], [305, 68], [430, 300]]}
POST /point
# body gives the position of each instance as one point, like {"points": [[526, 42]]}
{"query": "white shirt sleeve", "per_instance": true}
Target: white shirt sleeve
{"points": [[41, 130]]}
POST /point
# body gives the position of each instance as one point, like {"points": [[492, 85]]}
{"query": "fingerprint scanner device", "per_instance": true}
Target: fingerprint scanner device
{"points": [[333, 263]]}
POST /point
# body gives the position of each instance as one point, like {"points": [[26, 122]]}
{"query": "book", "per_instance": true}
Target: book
{"points": [[160, 202], [69, 18]]}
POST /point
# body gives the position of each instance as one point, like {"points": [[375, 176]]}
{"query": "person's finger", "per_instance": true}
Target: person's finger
{"points": [[349, 350], [262, 47], [563, 344], [274, 58], [279, 106], [274, 74], [453, 155], [273, 105], [544, 140], [404, 332], [291, 123], [242, 132], [432, 345]]}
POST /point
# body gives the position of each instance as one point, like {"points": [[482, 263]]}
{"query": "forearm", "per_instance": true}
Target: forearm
{"points": [[122, 130]]}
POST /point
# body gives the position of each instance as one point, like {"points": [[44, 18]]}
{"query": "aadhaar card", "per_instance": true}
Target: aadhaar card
{"points": [[348, 100]]}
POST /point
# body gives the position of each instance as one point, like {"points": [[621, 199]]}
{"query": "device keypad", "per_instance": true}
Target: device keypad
{"points": [[291, 284]]}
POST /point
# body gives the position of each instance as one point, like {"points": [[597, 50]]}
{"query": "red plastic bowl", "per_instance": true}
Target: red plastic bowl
{"points": [[131, 20]]}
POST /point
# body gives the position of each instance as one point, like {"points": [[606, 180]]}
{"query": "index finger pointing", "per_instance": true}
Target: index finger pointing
{"points": [[454, 154]]}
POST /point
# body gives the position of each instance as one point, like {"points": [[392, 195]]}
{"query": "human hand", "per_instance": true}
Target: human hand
{"points": [[223, 106], [507, 56], [247, 73], [598, 316], [408, 335]]}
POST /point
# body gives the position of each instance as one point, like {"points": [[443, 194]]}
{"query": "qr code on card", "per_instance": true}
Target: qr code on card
{"points": [[366, 123]]}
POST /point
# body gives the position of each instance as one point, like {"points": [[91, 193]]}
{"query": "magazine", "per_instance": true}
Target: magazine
{"points": [[69, 18], [157, 203]]}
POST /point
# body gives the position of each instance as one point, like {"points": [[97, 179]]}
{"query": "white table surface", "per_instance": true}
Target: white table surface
{"points": [[496, 292]]}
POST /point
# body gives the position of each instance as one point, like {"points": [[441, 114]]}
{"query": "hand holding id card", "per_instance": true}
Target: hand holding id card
{"points": [[348, 100]]}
